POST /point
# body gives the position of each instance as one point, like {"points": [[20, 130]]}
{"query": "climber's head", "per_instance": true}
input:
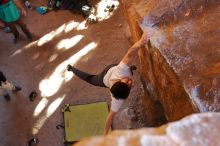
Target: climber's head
{"points": [[121, 89]]}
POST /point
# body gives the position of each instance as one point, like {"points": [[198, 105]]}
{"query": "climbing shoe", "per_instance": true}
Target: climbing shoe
{"points": [[32, 95], [7, 97], [32, 142], [17, 88], [69, 67]]}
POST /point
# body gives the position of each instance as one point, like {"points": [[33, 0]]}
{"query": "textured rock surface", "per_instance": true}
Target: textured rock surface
{"points": [[181, 70], [195, 130]]}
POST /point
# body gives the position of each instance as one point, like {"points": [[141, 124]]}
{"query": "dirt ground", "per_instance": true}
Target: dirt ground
{"points": [[38, 65]]}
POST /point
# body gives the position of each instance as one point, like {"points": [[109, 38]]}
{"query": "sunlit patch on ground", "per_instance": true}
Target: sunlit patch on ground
{"points": [[65, 28], [35, 56], [52, 57], [48, 37], [40, 107], [50, 110], [69, 43], [52, 84], [105, 9]]}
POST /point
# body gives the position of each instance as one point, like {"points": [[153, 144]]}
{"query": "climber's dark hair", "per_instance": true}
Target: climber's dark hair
{"points": [[120, 90]]}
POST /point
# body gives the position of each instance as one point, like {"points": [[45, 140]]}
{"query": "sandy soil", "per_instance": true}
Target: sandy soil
{"points": [[28, 64]]}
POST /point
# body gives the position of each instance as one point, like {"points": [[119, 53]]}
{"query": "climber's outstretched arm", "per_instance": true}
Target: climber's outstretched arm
{"points": [[108, 122], [129, 56]]}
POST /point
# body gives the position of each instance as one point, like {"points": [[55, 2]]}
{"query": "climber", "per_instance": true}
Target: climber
{"points": [[116, 77]]}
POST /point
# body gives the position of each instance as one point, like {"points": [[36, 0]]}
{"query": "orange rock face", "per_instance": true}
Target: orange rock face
{"points": [[180, 72]]}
